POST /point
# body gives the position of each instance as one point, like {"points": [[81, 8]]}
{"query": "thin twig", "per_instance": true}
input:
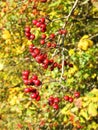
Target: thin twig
{"points": [[67, 18], [96, 35]]}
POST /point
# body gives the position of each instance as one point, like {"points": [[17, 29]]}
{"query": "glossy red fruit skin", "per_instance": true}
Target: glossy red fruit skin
{"points": [[38, 24], [43, 1], [26, 82], [28, 34], [52, 35], [43, 26], [77, 94], [56, 106], [33, 95], [43, 29], [25, 77], [26, 73], [27, 29], [27, 90], [36, 51], [43, 36], [45, 66], [38, 98], [70, 99], [66, 98], [42, 41], [53, 45], [32, 36], [48, 44], [51, 101], [34, 22], [46, 61], [40, 58], [37, 82], [56, 100], [34, 77], [42, 20]]}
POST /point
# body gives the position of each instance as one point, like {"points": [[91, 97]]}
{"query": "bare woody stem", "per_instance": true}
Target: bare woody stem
{"points": [[67, 18]]}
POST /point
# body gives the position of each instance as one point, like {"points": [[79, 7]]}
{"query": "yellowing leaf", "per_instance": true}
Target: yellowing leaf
{"points": [[85, 43], [92, 109], [6, 35]]}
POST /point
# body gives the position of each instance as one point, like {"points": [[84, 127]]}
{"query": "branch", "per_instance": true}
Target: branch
{"points": [[96, 35], [67, 18]]}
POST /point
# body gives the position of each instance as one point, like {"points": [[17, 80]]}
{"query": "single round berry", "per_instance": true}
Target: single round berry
{"points": [[28, 34], [33, 95], [77, 94], [38, 24], [26, 73], [56, 100], [43, 36], [26, 82], [70, 99], [52, 35], [36, 51], [34, 77], [49, 44], [34, 22], [45, 66], [66, 98], [26, 90], [43, 26], [56, 106], [42, 41], [25, 77], [32, 36], [27, 29], [37, 82], [42, 20], [38, 98], [53, 45]]}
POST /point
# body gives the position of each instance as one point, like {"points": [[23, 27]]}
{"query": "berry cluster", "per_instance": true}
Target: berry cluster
{"points": [[42, 58], [34, 93], [54, 101], [30, 81], [28, 33], [70, 99], [40, 23]]}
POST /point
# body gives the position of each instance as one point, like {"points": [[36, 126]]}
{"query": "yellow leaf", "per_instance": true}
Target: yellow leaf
{"points": [[6, 35]]}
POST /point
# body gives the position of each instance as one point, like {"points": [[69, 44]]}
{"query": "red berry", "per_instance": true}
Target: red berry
{"points": [[31, 46], [65, 63], [30, 82], [43, 1], [77, 94], [53, 45], [32, 36], [32, 89], [36, 51], [39, 58], [26, 73], [42, 42], [26, 82], [70, 99], [28, 34], [46, 61], [34, 22], [43, 26], [52, 35], [26, 90], [38, 24], [34, 77], [25, 77], [43, 29], [56, 106], [48, 44], [37, 82], [33, 95], [70, 65], [62, 31], [38, 98], [43, 36], [45, 66], [27, 29], [33, 54], [42, 20], [56, 100], [66, 98]]}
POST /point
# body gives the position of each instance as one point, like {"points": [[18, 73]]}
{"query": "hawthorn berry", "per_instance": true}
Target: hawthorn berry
{"points": [[37, 82], [38, 98], [27, 29], [34, 77], [34, 22], [70, 99], [32, 36], [33, 95], [77, 94], [56, 106], [66, 98], [52, 36], [42, 41], [26, 90], [43, 36]]}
